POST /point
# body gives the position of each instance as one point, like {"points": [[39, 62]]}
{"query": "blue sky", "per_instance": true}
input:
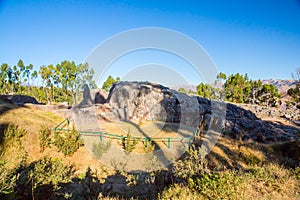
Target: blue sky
{"points": [[261, 38]]}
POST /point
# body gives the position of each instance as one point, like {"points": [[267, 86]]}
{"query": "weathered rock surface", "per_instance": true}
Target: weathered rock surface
{"points": [[20, 99], [148, 101], [99, 96], [263, 111]]}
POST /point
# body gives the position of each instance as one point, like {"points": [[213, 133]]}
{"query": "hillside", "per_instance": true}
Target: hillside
{"points": [[282, 85], [239, 169]]}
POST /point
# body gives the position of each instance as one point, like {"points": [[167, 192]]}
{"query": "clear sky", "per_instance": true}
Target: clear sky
{"points": [[258, 37]]}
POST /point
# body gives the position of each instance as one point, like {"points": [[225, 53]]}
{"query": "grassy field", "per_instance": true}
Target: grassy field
{"points": [[232, 170]]}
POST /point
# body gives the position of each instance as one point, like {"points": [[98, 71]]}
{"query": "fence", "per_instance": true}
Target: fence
{"points": [[61, 127]]}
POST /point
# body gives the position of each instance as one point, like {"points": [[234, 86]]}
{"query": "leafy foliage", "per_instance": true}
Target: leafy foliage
{"points": [[239, 88], [206, 91], [8, 181], [100, 148], [128, 143], [12, 137], [68, 141], [50, 171], [45, 140], [148, 146], [295, 92], [59, 82], [109, 82]]}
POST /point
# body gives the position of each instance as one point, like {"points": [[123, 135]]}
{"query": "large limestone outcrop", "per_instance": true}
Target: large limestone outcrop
{"points": [[149, 101], [20, 99]]}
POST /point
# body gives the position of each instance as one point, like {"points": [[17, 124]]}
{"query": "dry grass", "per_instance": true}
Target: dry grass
{"points": [[245, 170], [32, 120], [146, 129]]}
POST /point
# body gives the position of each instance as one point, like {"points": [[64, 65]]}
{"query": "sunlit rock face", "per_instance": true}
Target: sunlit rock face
{"points": [[149, 101]]}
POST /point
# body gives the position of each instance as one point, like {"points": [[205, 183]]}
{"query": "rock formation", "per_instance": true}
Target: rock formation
{"points": [[149, 101], [20, 99]]}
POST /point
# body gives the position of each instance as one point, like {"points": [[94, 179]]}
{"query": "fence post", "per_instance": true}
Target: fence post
{"points": [[101, 136], [169, 143], [146, 145]]}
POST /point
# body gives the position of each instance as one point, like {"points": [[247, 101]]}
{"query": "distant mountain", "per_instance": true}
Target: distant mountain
{"points": [[186, 87], [282, 85]]}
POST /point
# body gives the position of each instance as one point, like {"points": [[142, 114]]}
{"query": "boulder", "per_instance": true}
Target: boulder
{"points": [[150, 101], [99, 96], [20, 99]]}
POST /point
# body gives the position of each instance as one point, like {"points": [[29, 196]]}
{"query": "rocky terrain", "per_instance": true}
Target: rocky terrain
{"points": [[146, 101], [141, 101], [281, 85]]}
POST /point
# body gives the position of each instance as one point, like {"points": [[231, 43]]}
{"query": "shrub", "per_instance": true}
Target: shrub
{"points": [[12, 137], [45, 140], [148, 146], [128, 143], [8, 181], [100, 148], [68, 142], [194, 164], [50, 171]]}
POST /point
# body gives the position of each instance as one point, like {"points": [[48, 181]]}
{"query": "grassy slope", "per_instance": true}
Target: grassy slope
{"points": [[274, 183], [32, 120]]}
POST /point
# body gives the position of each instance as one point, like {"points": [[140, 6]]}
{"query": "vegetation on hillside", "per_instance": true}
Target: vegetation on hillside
{"points": [[238, 88], [109, 82], [51, 83], [295, 92], [35, 163], [254, 173]]}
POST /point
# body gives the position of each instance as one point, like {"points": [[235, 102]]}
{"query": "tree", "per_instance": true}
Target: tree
{"points": [[34, 76], [256, 87], [268, 95], [221, 77], [206, 91], [295, 92], [109, 82], [182, 90], [4, 78], [20, 73], [234, 88]]}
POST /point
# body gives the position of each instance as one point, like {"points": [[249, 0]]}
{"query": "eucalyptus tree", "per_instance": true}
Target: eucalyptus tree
{"points": [[4, 83]]}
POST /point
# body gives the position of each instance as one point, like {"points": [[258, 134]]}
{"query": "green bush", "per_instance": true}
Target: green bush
{"points": [[49, 171], [8, 181], [100, 148], [13, 131], [128, 143], [148, 146], [217, 185], [194, 164], [67, 142], [45, 140], [12, 137]]}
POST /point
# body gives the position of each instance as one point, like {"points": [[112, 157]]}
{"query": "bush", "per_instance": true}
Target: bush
{"points": [[45, 140], [194, 164], [8, 181], [50, 171], [68, 142], [148, 146], [128, 143], [100, 148], [12, 137]]}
